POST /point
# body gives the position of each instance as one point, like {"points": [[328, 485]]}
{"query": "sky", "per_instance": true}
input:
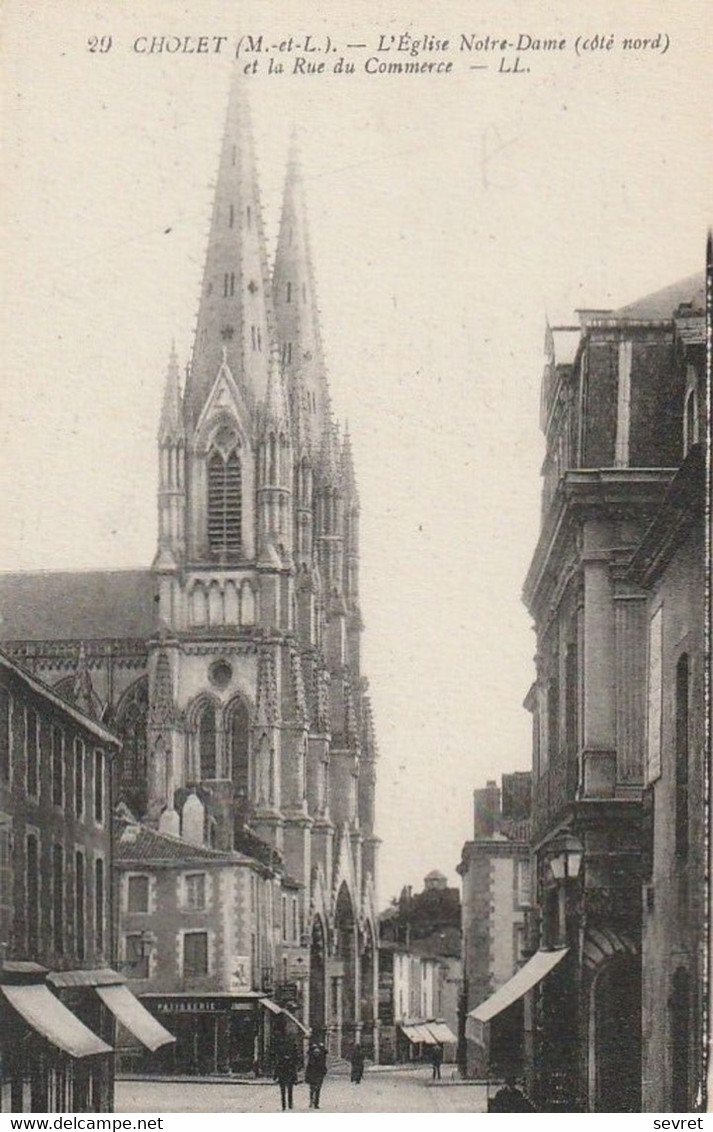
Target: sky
{"points": [[451, 215]]}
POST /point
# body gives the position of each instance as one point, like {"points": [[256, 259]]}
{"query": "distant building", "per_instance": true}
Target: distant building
{"points": [[204, 935], [420, 972], [495, 867], [60, 999]]}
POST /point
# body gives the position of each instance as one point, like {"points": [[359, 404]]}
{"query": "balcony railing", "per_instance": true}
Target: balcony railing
{"points": [[554, 790]]}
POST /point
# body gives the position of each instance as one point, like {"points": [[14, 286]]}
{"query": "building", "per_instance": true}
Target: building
{"points": [[231, 668], [669, 565], [203, 933], [420, 972], [616, 589], [60, 999], [495, 871]]}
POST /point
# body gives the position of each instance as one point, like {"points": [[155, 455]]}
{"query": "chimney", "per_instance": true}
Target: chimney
{"points": [[486, 810]]}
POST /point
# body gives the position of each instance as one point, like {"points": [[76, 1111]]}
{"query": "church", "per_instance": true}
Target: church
{"points": [[231, 669]]}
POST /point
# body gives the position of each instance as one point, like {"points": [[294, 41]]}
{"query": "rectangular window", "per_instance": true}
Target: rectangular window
{"points": [[138, 894], [33, 895], [99, 905], [99, 785], [295, 920], [79, 778], [553, 718], [655, 691], [195, 954], [5, 716], [57, 767], [524, 894], [231, 216], [288, 295], [284, 917], [79, 902], [623, 417], [6, 910], [32, 747], [682, 807], [571, 698], [58, 899], [137, 958], [195, 892]]}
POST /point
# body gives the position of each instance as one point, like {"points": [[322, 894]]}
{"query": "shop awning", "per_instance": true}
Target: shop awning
{"points": [[271, 1006], [418, 1033], [442, 1033], [534, 971], [134, 1017], [49, 1017], [300, 1025]]}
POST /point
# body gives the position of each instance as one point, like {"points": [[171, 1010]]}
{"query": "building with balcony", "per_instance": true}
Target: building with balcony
{"points": [[495, 872], [62, 1006], [615, 590]]}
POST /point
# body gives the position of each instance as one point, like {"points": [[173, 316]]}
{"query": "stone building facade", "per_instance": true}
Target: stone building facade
{"points": [[231, 669], [495, 872], [615, 590], [59, 996]]}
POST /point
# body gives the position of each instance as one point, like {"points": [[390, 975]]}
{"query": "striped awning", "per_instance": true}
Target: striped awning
{"points": [[134, 1017], [442, 1033], [49, 1017]]}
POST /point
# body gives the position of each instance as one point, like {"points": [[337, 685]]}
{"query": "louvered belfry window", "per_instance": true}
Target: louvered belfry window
{"points": [[224, 504]]}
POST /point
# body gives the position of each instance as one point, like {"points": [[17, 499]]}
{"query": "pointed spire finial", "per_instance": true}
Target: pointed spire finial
{"points": [[171, 410]]}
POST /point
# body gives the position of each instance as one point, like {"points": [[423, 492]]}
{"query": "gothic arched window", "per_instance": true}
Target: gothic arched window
{"points": [[239, 741], [225, 504], [131, 721], [207, 744]]}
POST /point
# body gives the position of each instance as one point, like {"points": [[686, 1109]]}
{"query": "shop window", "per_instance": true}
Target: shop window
{"points": [[195, 892], [681, 804], [57, 767], [136, 953], [138, 893], [195, 954]]}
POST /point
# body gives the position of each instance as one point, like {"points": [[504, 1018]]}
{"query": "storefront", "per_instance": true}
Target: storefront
{"points": [[50, 1061], [224, 1034]]}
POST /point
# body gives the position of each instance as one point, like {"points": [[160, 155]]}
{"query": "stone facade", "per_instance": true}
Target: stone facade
{"points": [[231, 669], [495, 871], [618, 417]]}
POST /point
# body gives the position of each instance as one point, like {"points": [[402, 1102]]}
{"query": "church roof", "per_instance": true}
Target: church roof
{"points": [[77, 605]]}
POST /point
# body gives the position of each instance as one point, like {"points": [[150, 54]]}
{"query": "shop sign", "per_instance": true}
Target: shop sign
{"points": [[199, 1006]]}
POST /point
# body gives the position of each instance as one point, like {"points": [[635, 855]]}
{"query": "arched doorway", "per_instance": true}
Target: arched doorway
{"points": [[345, 953], [616, 1029], [317, 971]]}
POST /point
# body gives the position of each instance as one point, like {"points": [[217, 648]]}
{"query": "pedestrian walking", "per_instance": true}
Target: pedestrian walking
{"points": [[437, 1061], [315, 1071], [286, 1071], [357, 1063]]}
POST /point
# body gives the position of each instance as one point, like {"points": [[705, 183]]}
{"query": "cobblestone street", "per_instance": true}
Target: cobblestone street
{"points": [[380, 1091]]}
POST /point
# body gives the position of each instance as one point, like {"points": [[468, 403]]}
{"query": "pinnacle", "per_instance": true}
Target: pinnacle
{"points": [[170, 424]]}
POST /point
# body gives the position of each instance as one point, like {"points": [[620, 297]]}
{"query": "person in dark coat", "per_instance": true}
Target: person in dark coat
{"points": [[315, 1071], [357, 1062], [510, 1099], [286, 1071], [437, 1061]]}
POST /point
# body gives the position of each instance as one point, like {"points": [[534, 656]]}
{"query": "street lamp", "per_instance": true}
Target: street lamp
{"points": [[564, 856]]}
